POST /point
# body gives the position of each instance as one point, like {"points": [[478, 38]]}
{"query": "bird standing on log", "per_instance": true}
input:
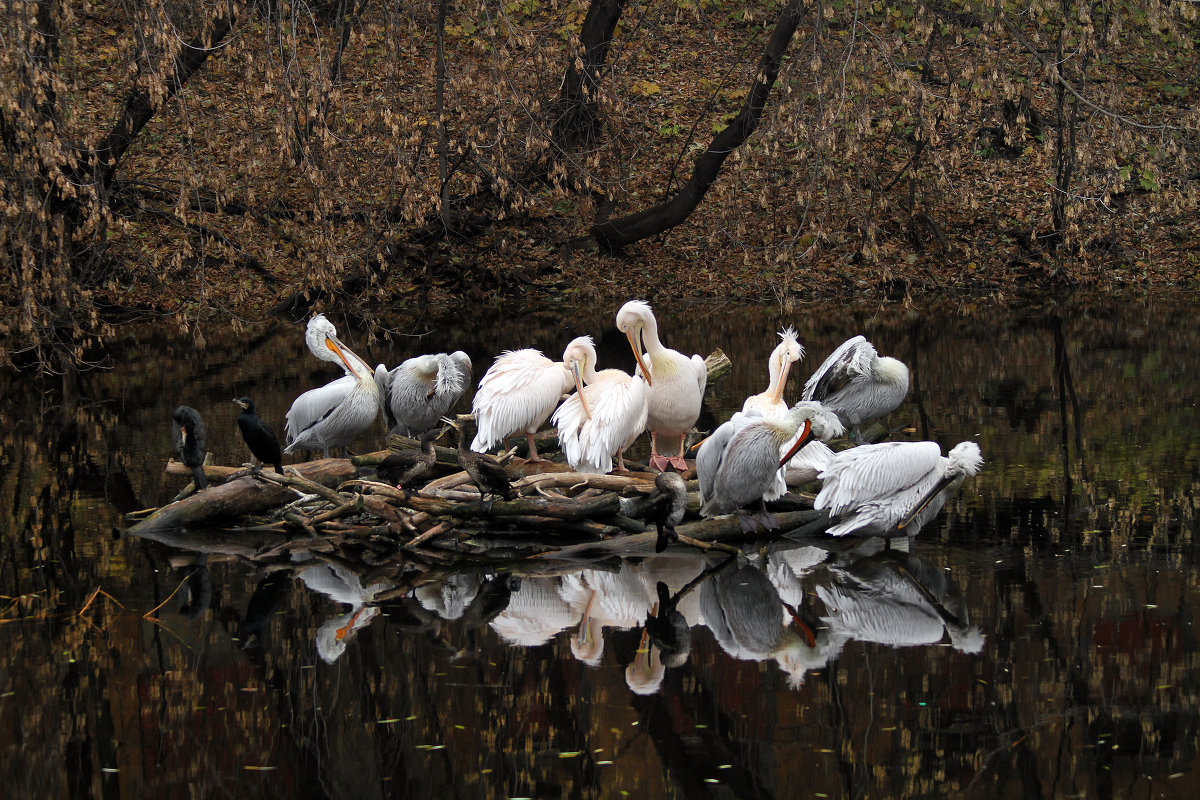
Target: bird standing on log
{"points": [[332, 415], [676, 382], [517, 393], [408, 467], [665, 507], [892, 488], [419, 392], [258, 436], [605, 414], [191, 440], [858, 384], [485, 471]]}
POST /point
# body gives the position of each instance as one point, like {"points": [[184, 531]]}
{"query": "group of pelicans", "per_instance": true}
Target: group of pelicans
{"points": [[885, 489]]}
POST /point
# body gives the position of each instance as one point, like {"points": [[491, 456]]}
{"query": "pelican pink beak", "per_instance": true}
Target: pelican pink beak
{"points": [[637, 354], [777, 395], [806, 436]]}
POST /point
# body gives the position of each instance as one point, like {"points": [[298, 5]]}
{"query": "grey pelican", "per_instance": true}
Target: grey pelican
{"points": [[517, 393], [892, 488], [419, 392], [258, 435], [858, 384], [676, 382], [740, 462], [770, 403], [332, 415], [603, 417], [345, 586], [191, 440]]}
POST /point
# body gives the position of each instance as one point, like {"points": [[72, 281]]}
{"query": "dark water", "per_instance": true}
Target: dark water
{"points": [[1036, 641]]}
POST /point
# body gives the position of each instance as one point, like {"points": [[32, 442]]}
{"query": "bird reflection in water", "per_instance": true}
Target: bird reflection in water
{"points": [[347, 587]]}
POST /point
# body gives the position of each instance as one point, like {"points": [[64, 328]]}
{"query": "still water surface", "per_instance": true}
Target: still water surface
{"points": [[1037, 640]]}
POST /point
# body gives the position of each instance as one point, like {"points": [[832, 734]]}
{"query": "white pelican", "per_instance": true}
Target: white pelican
{"points": [[676, 382], [740, 462], [517, 393], [604, 416], [604, 600], [419, 392], [858, 384], [770, 403], [892, 488], [535, 613], [333, 414]]}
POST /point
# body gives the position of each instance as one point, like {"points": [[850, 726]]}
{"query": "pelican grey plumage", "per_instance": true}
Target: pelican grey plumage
{"points": [[858, 384], [675, 382], [517, 394], [740, 462], [423, 389], [190, 438], [332, 415], [892, 488]]}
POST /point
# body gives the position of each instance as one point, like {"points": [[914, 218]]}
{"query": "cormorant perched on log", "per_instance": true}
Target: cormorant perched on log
{"points": [[665, 506], [258, 435], [487, 473], [191, 440], [407, 467]]}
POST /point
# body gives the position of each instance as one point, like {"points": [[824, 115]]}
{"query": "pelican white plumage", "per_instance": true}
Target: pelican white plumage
{"points": [[604, 600], [858, 384], [892, 488], [604, 416], [676, 382], [419, 392], [332, 415], [770, 403], [535, 613], [517, 393], [739, 464]]}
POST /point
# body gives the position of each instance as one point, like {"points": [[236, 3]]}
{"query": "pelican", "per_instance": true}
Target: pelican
{"points": [[604, 600], [517, 393], [333, 414], [604, 416], [770, 403], [892, 488], [536, 612], [740, 462], [191, 440], [258, 435], [676, 382], [419, 392], [858, 384], [345, 586]]}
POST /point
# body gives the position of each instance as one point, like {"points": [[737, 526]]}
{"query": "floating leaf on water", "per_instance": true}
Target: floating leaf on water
{"points": [[603, 763], [387, 721], [258, 769], [569, 753], [109, 769]]}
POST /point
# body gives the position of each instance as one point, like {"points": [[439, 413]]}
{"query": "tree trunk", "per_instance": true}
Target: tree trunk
{"points": [[576, 114], [616, 234]]}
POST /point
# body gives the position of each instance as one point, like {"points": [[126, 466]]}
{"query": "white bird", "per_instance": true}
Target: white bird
{"points": [[604, 600], [770, 403], [332, 415], [535, 613], [858, 384], [344, 586], [892, 488], [739, 464], [603, 417], [517, 393], [676, 382], [419, 392]]}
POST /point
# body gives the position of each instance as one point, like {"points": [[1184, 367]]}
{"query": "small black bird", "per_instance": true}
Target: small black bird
{"points": [[408, 467], [665, 507], [258, 435], [487, 473], [667, 628], [191, 440]]}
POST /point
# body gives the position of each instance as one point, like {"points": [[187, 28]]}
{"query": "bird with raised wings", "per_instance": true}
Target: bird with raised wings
{"points": [[892, 488], [517, 394], [332, 415], [858, 384], [675, 382], [604, 416], [422, 390]]}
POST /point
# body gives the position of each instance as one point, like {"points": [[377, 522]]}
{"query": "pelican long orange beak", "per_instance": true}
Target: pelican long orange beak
{"points": [[333, 345], [806, 436], [777, 395], [637, 354], [579, 388]]}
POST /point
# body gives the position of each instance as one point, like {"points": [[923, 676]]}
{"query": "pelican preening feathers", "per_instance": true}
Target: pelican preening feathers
{"points": [[419, 392], [332, 415], [516, 395], [675, 382], [858, 384]]}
